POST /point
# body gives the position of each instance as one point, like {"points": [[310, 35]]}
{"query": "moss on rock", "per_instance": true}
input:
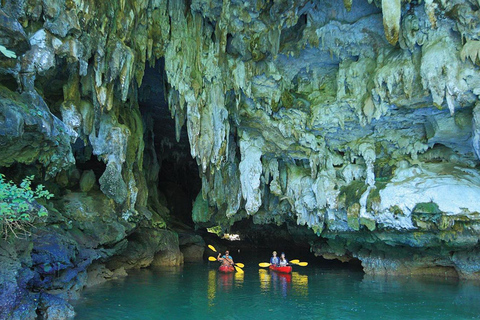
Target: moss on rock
{"points": [[352, 192], [353, 212], [427, 215], [369, 223], [201, 211]]}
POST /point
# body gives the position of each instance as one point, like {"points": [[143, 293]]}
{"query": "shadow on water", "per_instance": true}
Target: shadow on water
{"points": [[199, 291]]}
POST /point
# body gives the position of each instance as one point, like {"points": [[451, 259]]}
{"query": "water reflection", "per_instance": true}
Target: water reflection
{"points": [[264, 279], [212, 276], [201, 292], [423, 293], [300, 284], [239, 278], [283, 282], [219, 283], [225, 282]]}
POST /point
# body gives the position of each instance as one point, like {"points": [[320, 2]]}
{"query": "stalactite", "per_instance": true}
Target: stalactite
{"points": [[250, 172], [392, 10]]}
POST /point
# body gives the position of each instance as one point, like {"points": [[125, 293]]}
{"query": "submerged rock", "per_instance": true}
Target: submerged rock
{"points": [[55, 308]]}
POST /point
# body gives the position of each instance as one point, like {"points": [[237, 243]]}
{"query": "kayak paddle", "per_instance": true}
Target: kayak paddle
{"points": [[301, 264], [239, 270], [239, 264], [266, 264], [298, 263], [212, 248]]}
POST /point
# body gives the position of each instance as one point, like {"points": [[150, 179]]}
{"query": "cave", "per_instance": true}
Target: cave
{"points": [[178, 183], [160, 134], [178, 179]]}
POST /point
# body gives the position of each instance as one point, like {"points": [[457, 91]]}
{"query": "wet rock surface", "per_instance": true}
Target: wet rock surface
{"points": [[192, 246], [42, 273], [29, 132], [356, 121]]}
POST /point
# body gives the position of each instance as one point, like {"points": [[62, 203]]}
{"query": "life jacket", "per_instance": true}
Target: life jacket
{"points": [[274, 260], [282, 263], [228, 260]]}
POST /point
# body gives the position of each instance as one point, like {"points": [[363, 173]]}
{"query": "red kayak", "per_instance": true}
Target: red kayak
{"points": [[226, 269], [286, 269]]}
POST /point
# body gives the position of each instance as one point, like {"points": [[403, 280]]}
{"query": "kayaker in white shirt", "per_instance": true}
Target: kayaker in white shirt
{"points": [[283, 261]]}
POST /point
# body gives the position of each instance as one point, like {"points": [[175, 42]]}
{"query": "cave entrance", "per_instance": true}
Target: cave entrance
{"points": [[177, 182]]}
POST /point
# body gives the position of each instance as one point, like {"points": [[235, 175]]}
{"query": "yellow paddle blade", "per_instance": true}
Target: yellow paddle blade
{"points": [[239, 264], [212, 259], [294, 261], [264, 264], [239, 270], [239, 277], [302, 264], [212, 248]]}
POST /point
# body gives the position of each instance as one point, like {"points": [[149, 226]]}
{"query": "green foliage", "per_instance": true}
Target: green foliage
{"points": [[427, 215], [216, 230], [18, 206], [427, 207], [158, 222]]}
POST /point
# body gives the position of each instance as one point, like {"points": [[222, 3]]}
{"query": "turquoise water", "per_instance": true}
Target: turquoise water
{"points": [[198, 291]]}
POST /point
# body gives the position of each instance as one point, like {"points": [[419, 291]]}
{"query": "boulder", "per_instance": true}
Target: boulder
{"points": [[87, 180], [29, 132], [148, 246], [192, 246], [169, 253], [12, 35], [168, 258], [192, 253], [55, 308]]}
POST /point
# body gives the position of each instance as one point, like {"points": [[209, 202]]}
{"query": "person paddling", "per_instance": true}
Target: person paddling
{"points": [[226, 259], [274, 260], [283, 261]]}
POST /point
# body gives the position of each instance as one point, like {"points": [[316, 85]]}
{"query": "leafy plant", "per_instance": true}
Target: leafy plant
{"points": [[18, 206]]}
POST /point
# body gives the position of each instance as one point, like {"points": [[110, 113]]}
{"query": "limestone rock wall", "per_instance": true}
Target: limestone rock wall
{"points": [[356, 119], [350, 120]]}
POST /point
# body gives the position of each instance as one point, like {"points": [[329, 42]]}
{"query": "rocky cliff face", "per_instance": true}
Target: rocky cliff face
{"points": [[357, 119]]}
